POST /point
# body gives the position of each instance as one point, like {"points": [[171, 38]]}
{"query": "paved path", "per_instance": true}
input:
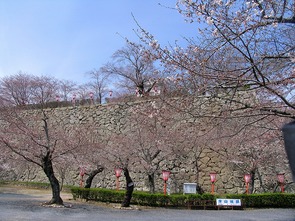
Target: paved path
{"points": [[17, 204]]}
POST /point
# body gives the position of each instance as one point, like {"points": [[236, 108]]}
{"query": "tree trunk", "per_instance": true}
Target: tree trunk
{"points": [[92, 175], [140, 88], [151, 179], [129, 189], [48, 169], [260, 181], [252, 172]]}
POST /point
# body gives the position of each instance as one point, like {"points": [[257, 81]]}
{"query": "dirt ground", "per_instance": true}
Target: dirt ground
{"points": [[38, 193], [44, 195]]}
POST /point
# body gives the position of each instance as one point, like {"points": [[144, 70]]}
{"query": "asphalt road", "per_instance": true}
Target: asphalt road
{"points": [[16, 204]]}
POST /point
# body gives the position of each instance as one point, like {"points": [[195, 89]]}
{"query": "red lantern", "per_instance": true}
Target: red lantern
{"points": [[166, 175], [91, 97], [111, 93], [118, 172], [281, 177], [213, 179], [82, 173], [281, 180], [247, 178], [74, 99]]}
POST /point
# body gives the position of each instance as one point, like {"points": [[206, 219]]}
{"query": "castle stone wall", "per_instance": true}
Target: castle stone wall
{"points": [[112, 118]]}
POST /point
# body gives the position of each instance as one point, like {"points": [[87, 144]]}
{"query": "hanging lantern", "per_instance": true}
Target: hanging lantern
{"points": [[82, 173], [74, 99], [213, 177], [281, 177], [166, 175], [247, 178], [118, 172], [281, 180], [91, 95]]}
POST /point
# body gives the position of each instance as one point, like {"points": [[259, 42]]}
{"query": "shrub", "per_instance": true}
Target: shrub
{"points": [[266, 200], [97, 194]]}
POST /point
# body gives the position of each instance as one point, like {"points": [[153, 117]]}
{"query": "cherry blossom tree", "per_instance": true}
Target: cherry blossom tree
{"points": [[16, 89], [42, 146], [81, 94], [66, 88], [253, 149], [151, 142], [43, 89], [98, 84], [23, 89], [245, 48], [240, 68], [133, 66], [92, 174], [92, 156]]}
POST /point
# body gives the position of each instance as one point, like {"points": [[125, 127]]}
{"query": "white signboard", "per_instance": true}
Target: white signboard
{"points": [[189, 188], [228, 202]]}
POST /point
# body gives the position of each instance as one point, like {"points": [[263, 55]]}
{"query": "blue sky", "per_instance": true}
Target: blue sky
{"points": [[67, 38]]}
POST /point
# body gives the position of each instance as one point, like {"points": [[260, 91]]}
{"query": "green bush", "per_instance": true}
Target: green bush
{"points": [[265, 200], [97, 194], [138, 198]]}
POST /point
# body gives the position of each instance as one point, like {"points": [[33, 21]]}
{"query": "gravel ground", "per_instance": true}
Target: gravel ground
{"points": [[26, 205]]}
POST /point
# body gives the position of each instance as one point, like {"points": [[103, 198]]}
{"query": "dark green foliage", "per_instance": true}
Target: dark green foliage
{"points": [[266, 200], [98, 194], [147, 199]]}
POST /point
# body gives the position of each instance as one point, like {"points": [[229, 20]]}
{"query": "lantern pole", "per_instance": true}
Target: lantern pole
{"points": [[247, 178], [165, 174], [213, 179], [57, 98], [82, 173], [91, 98], [74, 100], [165, 187], [281, 180], [118, 172]]}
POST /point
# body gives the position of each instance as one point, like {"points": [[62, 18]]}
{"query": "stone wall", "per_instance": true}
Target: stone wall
{"points": [[112, 118]]}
